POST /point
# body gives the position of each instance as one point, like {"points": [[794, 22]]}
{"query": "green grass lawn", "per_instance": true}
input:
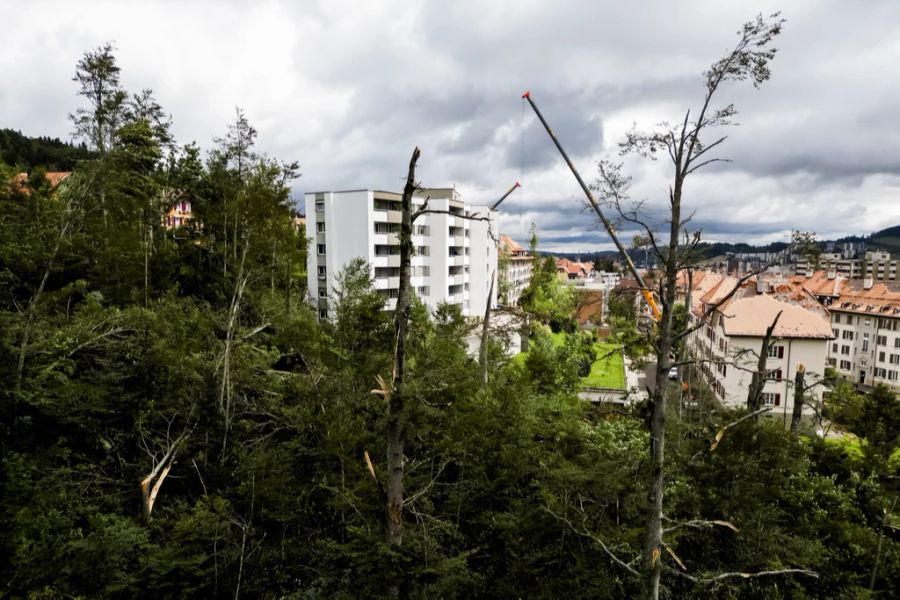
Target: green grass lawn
{"points": [[608, 371]]}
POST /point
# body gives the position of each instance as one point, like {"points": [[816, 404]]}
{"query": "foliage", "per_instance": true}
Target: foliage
{"points": [[513, 488], [548, 299]]}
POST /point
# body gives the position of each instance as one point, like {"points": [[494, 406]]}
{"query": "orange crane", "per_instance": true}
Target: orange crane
{"points": [[648, 296]]}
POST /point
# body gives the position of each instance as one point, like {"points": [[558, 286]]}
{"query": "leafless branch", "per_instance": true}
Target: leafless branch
{"points": [[587, 534]]}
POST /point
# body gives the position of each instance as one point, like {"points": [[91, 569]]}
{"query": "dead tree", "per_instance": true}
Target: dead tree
{"points": [[799, 392], [754, 397], [686, 147], [396, 408]]}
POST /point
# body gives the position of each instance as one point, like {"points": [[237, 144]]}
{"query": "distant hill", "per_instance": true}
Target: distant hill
{"points": [[26, 153], [887, 239]]}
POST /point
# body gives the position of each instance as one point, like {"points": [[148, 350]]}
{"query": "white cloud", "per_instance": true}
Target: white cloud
{"points": [[349, 88]]}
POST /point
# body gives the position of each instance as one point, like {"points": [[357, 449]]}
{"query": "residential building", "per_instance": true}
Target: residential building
{"points": [[19, 183], [516, 267], [728, 342], [877, 265], [573, 270], [865, 319], [178, 214], [455, 254]]}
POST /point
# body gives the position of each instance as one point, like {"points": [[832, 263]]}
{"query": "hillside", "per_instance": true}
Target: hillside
{"points": [[26, 152]]}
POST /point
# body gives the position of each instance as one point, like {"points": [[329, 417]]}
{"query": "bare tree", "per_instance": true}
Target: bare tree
{"points": [[754, 397], [688, 149]]}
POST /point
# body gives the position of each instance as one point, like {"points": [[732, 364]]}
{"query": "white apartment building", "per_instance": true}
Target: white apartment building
{"points": [[516, 270], [455, 254], [865, 319], [728, 344]]}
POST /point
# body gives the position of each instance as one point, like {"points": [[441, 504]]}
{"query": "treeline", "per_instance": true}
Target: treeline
{"points": [[175, 421], [51, 154]]}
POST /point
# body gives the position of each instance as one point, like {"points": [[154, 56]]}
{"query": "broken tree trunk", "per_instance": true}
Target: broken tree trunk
{"points": [[485, 327], [799, 389], [396, 408], [754, 398]]}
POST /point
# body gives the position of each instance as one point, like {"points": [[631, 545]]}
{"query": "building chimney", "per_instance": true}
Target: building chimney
{"points": [[867, 283], [760, 286], [832, 273]]}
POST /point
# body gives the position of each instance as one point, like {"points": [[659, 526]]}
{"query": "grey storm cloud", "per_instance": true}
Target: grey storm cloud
{"points": [[349, 88]]}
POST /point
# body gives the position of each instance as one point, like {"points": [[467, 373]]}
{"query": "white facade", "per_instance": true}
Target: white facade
{"points": [[866, 348], [729, 362], [516, 270], [452, 261], [729, 342]]}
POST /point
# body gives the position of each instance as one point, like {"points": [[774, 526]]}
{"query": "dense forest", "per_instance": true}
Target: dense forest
{"points": [[176, 422], [51, 154]]}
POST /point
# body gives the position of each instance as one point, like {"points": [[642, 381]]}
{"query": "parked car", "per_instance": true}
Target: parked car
{"points": [[673, 373]]}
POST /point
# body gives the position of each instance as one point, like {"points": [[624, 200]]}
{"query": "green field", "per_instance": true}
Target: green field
{"points": [[608, 371]]}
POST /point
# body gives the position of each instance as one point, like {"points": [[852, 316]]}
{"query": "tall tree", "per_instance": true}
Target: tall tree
{"points": [[688, 149], [97, 75]]}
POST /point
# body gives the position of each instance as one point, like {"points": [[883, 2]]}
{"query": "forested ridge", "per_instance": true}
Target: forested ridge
{"points": [[176, 422]]}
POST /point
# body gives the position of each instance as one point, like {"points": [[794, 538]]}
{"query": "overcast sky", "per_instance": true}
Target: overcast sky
{"points": [[349, 88]]}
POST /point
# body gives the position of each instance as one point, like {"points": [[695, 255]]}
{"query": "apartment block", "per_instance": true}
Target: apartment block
{"points": [[865, 321], [876, 265], [728, 343], [454, 251], [516, 269]]}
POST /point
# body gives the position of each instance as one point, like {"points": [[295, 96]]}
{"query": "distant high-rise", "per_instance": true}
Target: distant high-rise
{"points": [[455, 252]]}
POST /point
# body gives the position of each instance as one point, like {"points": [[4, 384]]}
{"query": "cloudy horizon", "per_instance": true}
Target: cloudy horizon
{"points": [[349, 88]]}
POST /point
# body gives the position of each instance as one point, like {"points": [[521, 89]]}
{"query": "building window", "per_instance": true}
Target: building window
{"points": [[835, 333], [845, 350], [892, 375], [320, 205], [776, 352], [845, 365], [770, 399], [422, 250], [865, 346], [881, 357], [895, 359], [320, 249], [834, 348], [881, 340], [320, 227], [848, 335], [774, 375], [837, 318], [323, 293], [880, 373], [321, 271], [323, 313], [897, 343]]}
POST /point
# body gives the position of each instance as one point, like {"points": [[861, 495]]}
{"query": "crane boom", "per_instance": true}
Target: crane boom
{"points": [[593, 202], [503, 197]]}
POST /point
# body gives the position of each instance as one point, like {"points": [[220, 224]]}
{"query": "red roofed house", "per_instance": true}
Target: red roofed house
{"points": [[730, 339], [515, 268], [19, 183]]}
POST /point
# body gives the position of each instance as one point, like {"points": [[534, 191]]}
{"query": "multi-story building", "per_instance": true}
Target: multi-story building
{"points": [[876, 265], [865, 320], [179, 214], [516, 268], [729, 342], [455, 254]]}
